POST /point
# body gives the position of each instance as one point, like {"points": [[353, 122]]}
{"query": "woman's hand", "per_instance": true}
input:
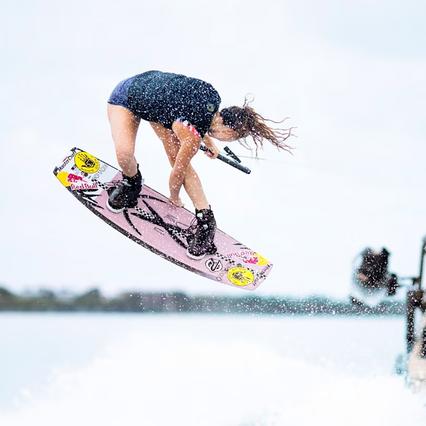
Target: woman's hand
{"points": [[213, 150]]}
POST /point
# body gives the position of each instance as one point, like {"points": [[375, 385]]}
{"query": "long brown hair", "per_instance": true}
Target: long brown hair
{"points": [[245, 121]]}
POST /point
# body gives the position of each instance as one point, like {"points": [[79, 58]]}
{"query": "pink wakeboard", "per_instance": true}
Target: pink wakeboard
{"points": [[158, 225]]}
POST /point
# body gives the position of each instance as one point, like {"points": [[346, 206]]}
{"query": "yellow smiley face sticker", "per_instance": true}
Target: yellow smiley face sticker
{"points": [[86, 162], [240, 276]]}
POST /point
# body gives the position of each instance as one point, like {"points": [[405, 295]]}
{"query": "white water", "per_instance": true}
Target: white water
{"points": [[202, 370]]}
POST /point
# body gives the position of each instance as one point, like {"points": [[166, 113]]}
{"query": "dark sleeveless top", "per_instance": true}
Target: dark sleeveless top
{"points": [[165, 97]]}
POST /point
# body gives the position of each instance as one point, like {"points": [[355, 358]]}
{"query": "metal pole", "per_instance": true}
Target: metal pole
{"points": [[423, 347], [422, 258], [410, 310]]}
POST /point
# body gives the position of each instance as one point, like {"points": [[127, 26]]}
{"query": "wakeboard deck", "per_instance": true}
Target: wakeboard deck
{"points": [[158, 225]]}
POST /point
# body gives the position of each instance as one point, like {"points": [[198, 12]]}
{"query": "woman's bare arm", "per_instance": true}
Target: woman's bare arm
{"points": [[213, 151]]}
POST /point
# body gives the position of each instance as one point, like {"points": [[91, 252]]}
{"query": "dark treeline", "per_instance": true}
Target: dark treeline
{"points": [[146, 302]]}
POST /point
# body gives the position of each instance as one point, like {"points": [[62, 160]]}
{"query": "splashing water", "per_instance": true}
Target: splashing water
{"points": [[199, 371]]}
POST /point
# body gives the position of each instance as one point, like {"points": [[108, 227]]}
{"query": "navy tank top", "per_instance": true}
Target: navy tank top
{"points": [[166, 97]]}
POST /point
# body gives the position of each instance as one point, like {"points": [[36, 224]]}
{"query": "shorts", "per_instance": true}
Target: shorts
{"points": [[119, 95]]}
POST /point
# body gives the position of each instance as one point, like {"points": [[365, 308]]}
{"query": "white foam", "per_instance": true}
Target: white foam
{"points": [[161, 380]]}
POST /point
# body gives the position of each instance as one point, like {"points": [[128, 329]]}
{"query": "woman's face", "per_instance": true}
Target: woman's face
{"points": [[221, 132]]}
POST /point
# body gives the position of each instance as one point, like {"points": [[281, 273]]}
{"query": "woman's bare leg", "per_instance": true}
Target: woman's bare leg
{"points": [[192, 183], [124, 127]]}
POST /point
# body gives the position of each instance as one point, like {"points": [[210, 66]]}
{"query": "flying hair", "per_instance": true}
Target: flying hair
{"points": [[246, 122]]}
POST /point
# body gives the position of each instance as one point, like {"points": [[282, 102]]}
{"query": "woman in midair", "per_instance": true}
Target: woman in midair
{"points": [[183, 111]]}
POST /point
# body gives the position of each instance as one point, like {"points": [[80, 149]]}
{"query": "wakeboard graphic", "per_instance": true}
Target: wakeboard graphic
{"points": [[158, 225]]}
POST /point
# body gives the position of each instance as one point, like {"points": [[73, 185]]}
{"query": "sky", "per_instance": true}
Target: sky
{"points": [[350, 75]]}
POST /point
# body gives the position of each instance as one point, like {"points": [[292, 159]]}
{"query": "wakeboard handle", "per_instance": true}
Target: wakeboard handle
{"points": [[229, 161]]}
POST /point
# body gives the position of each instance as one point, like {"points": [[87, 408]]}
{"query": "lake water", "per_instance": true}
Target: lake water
{"points": [[149, 370]]}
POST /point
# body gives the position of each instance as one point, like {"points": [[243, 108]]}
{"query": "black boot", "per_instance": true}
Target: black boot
{"points": [[201, 242], [125, 194]]}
